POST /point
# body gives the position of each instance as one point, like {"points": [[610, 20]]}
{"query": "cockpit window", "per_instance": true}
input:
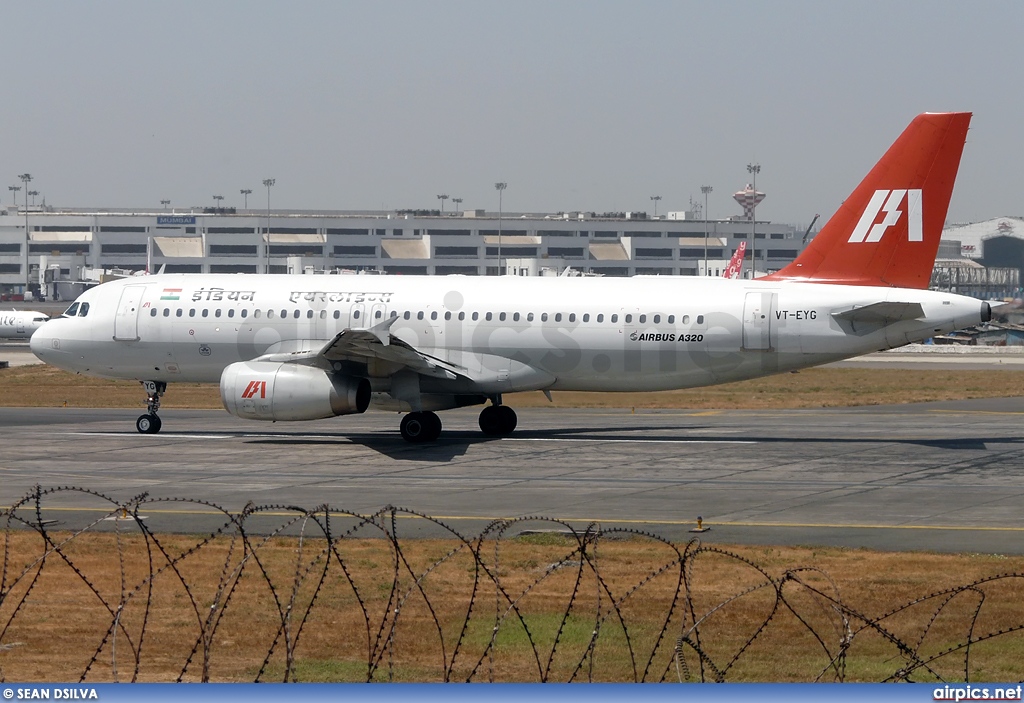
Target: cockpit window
{"points": [[84, 310], [72, 311]]}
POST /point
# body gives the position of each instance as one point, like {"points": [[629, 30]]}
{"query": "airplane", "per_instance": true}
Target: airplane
{"points": [[300, 347], [735, 266], [20, 324]]}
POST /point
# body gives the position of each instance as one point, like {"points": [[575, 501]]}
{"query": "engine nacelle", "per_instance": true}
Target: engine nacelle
{"points": [[266, 390]]}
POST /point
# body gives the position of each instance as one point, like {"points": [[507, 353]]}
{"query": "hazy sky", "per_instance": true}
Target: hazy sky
{"points": [[577, 105]]}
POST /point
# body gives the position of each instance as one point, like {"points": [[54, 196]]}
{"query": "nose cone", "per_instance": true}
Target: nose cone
{"points": [[40, 343]]}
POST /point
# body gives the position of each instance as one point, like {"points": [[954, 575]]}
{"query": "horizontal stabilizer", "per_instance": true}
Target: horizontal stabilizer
{"points": [[882, 313]]}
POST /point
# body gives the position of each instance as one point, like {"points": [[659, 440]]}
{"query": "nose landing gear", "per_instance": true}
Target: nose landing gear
{"points": [[150, 422]]}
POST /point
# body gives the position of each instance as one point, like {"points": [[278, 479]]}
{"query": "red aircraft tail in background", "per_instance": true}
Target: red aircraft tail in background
{"points": [[735, 266]]}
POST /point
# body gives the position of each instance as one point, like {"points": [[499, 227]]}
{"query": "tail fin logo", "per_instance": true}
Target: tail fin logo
{"points": [[255, 387], [889, 201]]}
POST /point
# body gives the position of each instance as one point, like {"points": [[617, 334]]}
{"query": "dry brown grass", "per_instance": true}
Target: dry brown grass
{"points": [[45, 386], [62, 623]]}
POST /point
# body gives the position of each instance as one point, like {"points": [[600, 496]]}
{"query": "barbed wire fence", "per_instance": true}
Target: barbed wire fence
{"points": [[283, 593]]}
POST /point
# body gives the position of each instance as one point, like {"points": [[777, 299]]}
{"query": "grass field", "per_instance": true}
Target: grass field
{"points": [[45, 386], [344, 624]]}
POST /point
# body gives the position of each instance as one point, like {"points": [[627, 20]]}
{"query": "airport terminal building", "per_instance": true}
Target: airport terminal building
{"points": [[39, 247]]}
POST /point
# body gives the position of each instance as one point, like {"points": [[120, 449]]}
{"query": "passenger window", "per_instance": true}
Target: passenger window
{"points": [[572, 317], [543, 317], [298, 313], [643, 318], [515, 317], [309, 314], [394, 314], [448, 315], [686, 319], [191, 312], [270, 314], [206, 312], [629, 318], [671, 319], [433, 315], [657, 319], [355, 314], [256, 313], [558, 317], [337, 314], [83, 310], [529, 317], [615, 318], [245, 312], [600, 317], [586, 317], [167, 312], [377, 315], [488, 317], [231, 312], [72, 311], [501, 316], [476, 316], [284, 314], [419, 315], [216, 313], [462, 316], [407, 315], [700, 319], [178, 313], [152, 313]]}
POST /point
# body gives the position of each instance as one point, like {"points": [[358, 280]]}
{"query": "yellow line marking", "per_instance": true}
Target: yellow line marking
{"points": [[454, 518]]}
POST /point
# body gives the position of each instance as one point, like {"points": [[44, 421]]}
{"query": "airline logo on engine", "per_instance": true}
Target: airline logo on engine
{"points": [[889, 202], [255, 387]]}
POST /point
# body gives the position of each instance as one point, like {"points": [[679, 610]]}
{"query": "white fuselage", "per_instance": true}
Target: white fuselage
{"points": [[20, 324], [510, 333]]}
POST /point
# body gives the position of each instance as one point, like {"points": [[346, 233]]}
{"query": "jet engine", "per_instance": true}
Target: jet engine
{"points": [[265, 390]]}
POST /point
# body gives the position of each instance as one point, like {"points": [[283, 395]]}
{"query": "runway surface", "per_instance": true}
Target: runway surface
{"points": [[937, 476]]}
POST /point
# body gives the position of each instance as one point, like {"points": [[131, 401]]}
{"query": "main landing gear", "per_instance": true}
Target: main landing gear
{"points": [[418, 427], [150, 422], [495, 421]]}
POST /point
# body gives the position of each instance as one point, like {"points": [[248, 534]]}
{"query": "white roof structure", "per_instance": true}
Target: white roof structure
{"points": [[972, 235]]}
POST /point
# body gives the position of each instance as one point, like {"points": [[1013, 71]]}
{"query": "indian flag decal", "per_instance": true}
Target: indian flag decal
{"points": [[170, 294]]}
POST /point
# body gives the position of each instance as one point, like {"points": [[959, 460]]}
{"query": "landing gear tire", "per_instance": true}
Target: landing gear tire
{"points": [[498, 420], [148, 424], [419, 427]]}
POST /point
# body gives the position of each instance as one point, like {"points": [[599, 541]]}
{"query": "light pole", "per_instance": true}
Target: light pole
{"points": [[753, 170], [500, 187], [26, 178], [14, 194], [33, 193], [165, 203], [245, 194], [655, 198], [219, 199], [706, 190], [269, 183], [442, 198], [457, 201]]}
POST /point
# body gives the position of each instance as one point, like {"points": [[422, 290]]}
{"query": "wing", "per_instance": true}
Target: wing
{"points": [[371, 346]]}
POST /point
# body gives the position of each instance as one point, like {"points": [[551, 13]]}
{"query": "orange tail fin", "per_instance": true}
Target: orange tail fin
{"points": [[887, 232]]}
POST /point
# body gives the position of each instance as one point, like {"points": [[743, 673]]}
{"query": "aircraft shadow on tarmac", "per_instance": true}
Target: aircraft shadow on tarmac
{"points": [[456, 443]]}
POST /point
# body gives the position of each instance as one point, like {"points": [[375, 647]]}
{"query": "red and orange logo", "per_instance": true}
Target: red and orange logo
{"points": [[255, 387]]}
